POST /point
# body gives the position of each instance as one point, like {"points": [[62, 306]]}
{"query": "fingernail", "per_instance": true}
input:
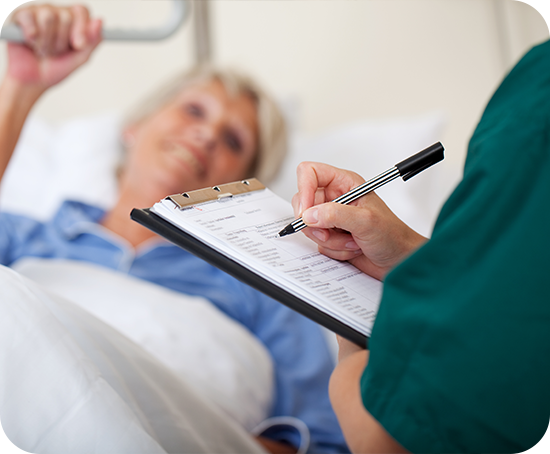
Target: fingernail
{"points": [[310, 216], [319, 234], [352, 245], [300, 208]]}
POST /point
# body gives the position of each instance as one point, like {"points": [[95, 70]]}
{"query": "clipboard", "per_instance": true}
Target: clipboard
{"points": [[190, 243]]}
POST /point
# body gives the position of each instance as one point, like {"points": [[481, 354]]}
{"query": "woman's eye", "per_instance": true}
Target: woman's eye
{"points": [[233, 142], [194, 110]]}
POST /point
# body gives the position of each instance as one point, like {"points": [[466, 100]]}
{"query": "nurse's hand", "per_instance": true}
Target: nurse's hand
{"points": [[58, 40], [366, 232]]}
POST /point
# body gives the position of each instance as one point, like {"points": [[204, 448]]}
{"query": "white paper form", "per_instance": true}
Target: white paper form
{"points": [[244, 228]]}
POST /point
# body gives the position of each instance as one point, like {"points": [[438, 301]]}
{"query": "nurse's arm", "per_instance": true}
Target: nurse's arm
{"points": [[362, 431]]}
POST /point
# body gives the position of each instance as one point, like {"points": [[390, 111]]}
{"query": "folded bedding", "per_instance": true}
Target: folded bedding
{"points": [[71, 383], [187, 334]]}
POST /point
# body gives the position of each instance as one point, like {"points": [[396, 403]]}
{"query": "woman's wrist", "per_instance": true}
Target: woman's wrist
{"points": [[16, 101], [19, 96]]}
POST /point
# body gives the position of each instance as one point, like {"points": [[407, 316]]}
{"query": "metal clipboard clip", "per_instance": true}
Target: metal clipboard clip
{"points": [[214, 193]]}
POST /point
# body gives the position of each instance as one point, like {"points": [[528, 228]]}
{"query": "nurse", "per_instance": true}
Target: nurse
{"points": [[459, 352]]}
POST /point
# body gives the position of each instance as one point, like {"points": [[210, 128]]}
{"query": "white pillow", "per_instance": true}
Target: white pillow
{"points": [[79, 159], [370, 147]]}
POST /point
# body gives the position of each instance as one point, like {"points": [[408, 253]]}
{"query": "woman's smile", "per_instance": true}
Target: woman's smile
{"points": [[185, 156]]}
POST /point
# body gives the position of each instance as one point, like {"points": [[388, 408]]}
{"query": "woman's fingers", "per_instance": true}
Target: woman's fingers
{"points": [[54, 30], [58, 40], [65, 20], [47, 22], [26, 19], [79, 29]]}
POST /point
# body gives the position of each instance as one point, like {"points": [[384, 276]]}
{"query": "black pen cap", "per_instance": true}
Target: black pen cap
{"points": [[420, 161]]}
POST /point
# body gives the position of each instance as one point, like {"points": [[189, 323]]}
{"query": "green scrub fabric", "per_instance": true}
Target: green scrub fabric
{"points": [[460, 350]]}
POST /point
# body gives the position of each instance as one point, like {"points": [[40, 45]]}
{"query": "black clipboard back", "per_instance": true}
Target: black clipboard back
{"points": [[191, 244]]}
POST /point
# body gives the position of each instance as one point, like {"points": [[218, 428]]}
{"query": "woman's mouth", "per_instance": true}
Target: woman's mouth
{"points": [[186, 156]]}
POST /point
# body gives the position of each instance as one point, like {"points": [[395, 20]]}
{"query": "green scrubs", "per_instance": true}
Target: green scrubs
{"points": [[460, 351]]}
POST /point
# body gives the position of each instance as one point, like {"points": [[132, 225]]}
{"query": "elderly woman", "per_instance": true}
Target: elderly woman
{"points": [[208, 128]]}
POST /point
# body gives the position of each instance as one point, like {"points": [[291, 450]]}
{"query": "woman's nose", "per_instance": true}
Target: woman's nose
{"points": [[203, 134]]}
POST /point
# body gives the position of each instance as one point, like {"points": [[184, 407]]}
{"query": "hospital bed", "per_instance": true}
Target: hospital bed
{"points": [[152, 354]]}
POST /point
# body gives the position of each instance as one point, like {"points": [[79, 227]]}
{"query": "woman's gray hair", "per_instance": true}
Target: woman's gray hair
{"points": [[272, 130]]}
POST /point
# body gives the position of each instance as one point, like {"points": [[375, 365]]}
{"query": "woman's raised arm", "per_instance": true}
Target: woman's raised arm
{"points": [[58, 40]]}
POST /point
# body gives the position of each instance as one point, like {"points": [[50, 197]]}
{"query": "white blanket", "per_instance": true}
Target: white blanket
{"points": [[69, 383], [189, 335]]}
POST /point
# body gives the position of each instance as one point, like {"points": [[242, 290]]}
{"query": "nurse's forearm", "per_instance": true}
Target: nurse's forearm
{"points": [[16, 101], [362, 431]]}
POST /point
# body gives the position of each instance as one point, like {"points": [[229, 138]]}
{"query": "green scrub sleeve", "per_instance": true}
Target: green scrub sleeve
{"points": [[460, 348]]}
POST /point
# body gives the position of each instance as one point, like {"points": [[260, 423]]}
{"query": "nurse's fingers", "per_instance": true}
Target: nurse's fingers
{"points": [[334, 182], [334, 240], [319, 198], [354, 219]]}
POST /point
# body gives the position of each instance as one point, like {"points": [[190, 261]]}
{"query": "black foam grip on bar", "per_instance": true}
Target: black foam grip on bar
{"points": [[420, 161]]}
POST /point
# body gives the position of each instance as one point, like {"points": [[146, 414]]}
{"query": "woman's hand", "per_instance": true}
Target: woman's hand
{"points": [[58, 40], [366, 233]]}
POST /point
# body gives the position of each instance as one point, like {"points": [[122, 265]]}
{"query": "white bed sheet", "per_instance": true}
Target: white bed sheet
{"points": [[212, 353], [71, 384]]}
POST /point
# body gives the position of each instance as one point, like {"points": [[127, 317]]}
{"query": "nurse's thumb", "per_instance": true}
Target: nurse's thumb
{"points": [[335, 215]]}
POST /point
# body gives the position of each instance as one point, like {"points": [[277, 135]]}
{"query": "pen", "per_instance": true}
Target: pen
{"points": [[405, 169]]}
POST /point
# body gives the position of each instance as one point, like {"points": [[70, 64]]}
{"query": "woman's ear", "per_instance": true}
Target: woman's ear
{"points": [[129, 134], [128, 138]]}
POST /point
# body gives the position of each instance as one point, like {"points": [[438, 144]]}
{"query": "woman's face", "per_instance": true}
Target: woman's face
{"points": [[202, 138]]}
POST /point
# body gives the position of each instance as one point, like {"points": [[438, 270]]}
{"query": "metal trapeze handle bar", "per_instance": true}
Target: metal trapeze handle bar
{"points": [[178, 14]]}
